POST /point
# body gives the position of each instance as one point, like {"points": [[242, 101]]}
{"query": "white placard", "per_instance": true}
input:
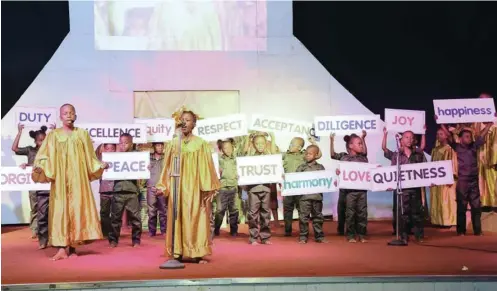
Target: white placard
{"points": [[399, 120], [126, 166], [35, 116], [259, 169], [347, 124], [305, 183], [212, 129], [355, 176], [413, 175], [17, 179], [464, 110], [158, 129], [110, 132], [283, 126], [215, 160]]}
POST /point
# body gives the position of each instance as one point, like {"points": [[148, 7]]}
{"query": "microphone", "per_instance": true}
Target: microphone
{"points": [[181, 124]]}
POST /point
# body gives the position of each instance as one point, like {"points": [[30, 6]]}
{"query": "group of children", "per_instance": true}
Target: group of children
{"points": [[119, 196]]}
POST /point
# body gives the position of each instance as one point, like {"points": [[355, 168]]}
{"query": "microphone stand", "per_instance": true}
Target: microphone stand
{"points": [[398, 242], [173, 263]]}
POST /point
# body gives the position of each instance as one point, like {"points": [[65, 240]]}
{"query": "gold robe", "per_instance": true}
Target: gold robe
{"points": [[487, 159], [443, 204], [198, 183], [69, 164]]}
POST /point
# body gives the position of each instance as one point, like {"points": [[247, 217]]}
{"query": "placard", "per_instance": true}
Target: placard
{"points": [[305, 183], [464, 110], [18, 179], [158, 129], [110, 132], [413, 175], [35, 116], [212, 129], [355, 176], [282, 126], [347, 124], [259, 169], [126, 166], [399, 120]]}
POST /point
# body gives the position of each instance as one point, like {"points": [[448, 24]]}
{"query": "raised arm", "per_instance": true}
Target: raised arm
{"points": [[363, 137], [15, 144], [384, 141], [274, 148], [422, 145], [481, 139], [332, 145]]}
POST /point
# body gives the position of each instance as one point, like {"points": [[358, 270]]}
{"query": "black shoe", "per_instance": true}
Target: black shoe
{"points": [[136, 244], [461, 234], [234, 234], [151, 234], [288, 234]]}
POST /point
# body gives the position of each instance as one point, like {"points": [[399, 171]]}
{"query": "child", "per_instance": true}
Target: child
{"points": [[311, 204], [411, 198], [443, 197], [229, 187], [259, 214], [73, 217], [467, 189], [156, 203], [38, 200], [356, 202], [106, 189], [125, 198]]}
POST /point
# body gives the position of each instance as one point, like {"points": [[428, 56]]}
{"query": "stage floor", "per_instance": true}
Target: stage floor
{"points": [[443, 253]]}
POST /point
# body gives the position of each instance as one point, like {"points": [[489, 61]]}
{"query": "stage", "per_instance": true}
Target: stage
{"points": [[442, 254]]}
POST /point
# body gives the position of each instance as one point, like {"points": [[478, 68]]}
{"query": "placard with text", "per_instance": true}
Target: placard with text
{"points": [[158, 129], [212, 129], [305, 183], [399, 120], [259, 169], [35, 116], [18, 179], [110, 132], [464, 110], [355, 176], [126, 166], [347, 124], [278, 125], [412, 176]]}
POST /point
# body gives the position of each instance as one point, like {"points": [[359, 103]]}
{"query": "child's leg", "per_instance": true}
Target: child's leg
{"points": [[152, 212], [42, 205], [350, 214], [233, 212], [304, 213], [273, 205], [417, 216], [132, 205], [33, 220], [362, 214], [475, 203], [289, 203], [162, 210], [221, 206], [317, 220], [105, 202], [394, 212], [116, 214], [341, 206], [265, 215], [253, 215], [462, 206]]}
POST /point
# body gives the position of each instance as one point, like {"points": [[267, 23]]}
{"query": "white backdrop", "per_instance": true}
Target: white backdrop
{"points": [[284, 81]]}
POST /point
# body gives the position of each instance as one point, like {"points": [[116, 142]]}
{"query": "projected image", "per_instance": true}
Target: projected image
{"points": [[180, 25]]}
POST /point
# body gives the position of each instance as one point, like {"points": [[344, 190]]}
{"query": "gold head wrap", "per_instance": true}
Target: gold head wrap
{"points": [[179, 111]]}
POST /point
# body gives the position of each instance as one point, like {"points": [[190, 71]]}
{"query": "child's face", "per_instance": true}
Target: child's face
{"points": [[188, 123], [125, 144], [260, 144], [227, 148], [466, 138], [39, 139], [109, 148], [441, 136], [296, 145], [407, 139], [159, 148], [311, 154], [356, 145], [67, 115]]}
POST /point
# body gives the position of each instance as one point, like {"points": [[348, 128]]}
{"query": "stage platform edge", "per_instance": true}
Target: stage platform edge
{"points": [[383, 283]]}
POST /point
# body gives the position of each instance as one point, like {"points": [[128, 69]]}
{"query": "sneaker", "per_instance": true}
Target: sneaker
{"points": [[322, 241], [363, 240], [461, 234], [352, 240], [302, 241], [135, 244], [113, 245]]}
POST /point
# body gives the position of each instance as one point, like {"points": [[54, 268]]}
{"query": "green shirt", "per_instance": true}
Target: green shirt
{"points": [[291, 161], [227, 165], [309, 167]]}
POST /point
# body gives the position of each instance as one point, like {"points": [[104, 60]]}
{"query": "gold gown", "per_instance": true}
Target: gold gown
{"points": [[443, 204], [69, 164], [487, 159], [198, 182]]}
